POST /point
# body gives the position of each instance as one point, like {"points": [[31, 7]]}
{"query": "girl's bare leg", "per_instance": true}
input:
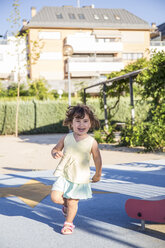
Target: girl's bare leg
{"points": [[72, 205], [57, 197]]}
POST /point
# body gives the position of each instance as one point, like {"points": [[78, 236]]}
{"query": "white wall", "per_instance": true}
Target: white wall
{"points": [[13, 57]]}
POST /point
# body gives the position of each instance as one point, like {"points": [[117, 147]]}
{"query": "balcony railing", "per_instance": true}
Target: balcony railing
{"points": [[85, 45], [93, 68], [95, 59], [157, 43]]}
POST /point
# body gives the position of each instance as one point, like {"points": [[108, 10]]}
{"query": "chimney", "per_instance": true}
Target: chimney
{"points": [[24, 22], [89, 6], [33, 11], [67, 6], [153, 26]]}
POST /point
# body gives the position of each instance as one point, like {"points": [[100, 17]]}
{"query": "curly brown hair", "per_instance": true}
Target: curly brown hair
{"points": [[79, 111]]}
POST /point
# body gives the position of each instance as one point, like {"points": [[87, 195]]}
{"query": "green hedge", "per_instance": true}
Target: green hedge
{"points": [[34, 117], [47, 116], [122, 113]]}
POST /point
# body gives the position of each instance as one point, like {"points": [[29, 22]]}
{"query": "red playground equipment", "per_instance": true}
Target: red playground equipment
{"points": [[146, 210]]}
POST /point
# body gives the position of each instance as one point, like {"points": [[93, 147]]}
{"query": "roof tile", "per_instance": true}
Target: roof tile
{"points": [[117, 18]]}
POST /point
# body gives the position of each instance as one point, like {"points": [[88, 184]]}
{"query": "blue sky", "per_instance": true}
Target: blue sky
{"points": [[148, 10]]}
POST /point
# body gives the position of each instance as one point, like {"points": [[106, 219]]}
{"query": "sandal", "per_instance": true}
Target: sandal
{"points": [[67, 226], [64, 211]]}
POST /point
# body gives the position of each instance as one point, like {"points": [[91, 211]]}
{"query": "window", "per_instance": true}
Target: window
{"points": [[101, 40], [59, 16], [118, 39], [105, 17], [117, 17], [81, 16], [112, 40], [105, 55], [72, 16], [132, 56], [50, 56], [139, 55], [49, 35], [96, 17]]}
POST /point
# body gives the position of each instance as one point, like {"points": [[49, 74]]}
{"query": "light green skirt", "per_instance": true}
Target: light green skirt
{"points": [[72, 190]]}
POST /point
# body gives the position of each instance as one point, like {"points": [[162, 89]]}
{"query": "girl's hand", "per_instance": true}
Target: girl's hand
{"points": [[57, 154], [96, 178]]}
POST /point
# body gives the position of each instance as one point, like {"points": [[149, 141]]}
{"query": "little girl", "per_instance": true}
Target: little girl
{"points": [[73, 170]]}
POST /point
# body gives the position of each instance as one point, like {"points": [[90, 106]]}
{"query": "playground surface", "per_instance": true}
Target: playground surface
{"points": [[29, 219]]}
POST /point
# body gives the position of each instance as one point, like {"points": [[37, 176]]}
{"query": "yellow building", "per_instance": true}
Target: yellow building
{"points": [[102, 41]]}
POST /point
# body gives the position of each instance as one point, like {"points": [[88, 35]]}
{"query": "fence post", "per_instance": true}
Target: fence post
{"points": [[85, 96], [131, 100], [105, 105]]}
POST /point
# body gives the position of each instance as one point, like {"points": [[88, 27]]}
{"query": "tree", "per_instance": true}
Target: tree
{"points": [[153, 80], [15, 25], [15, 20], [120, 88], [150, 133]]}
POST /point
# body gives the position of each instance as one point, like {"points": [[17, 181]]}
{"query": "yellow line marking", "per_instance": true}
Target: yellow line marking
{"points": [[32, 192]]}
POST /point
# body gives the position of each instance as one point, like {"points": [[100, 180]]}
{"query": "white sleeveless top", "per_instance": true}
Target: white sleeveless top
{"points": [[75, 164]]}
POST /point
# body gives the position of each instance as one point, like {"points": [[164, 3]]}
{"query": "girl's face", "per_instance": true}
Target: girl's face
{"points": [[81, 126]]}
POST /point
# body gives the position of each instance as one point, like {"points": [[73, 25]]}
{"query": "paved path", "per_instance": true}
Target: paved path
{"points": [[101, 221], [33, 152]]}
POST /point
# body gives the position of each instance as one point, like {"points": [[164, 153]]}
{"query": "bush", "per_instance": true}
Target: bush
{"points": [[154, 137], [39, 88], [148, 130], [105, 135], [150, 135], [3, 91], [54, 93], [132, 135], [12, 89]]}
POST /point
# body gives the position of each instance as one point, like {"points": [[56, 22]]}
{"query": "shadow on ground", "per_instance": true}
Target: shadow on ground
{"points": [[53, 138], [104, 215]]}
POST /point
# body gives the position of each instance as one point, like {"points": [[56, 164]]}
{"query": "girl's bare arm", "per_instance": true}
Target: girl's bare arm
{"points": [[97, 161], [57, 150]]}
